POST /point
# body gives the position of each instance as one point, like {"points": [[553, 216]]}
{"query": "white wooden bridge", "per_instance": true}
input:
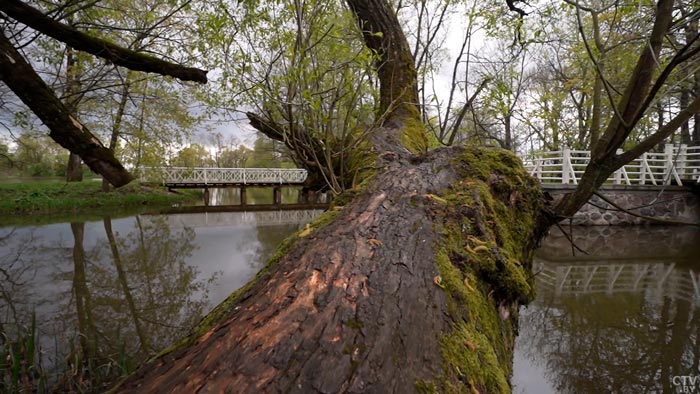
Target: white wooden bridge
{"points": [[676, 165], [202, 177]]}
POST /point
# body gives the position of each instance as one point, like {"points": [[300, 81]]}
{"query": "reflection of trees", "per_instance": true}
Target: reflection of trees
{"points": [[111, 303], [13, 276], [143, 290], [83, 301], [270, 237], [623, 344]]}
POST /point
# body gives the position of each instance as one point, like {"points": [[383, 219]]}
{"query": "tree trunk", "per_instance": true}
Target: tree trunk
{"points": [[116, 127], [415, 284], [683, 104], [74, 169], [71, 98]]}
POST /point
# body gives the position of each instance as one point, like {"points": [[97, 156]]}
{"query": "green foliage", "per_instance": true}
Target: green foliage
{"points": [[267, 153], [302, 67], [20, 361], [194, 155], [39, 156]]}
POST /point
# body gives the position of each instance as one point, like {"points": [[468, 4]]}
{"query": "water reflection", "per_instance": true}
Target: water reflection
{"points": [[255, 195], [623, 319], [106, 295]]}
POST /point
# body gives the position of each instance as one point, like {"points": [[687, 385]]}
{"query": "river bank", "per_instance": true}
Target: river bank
{"points": [[58, 198]]}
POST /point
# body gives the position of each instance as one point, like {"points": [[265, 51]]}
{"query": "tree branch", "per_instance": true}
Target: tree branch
{"points": [[398, 78], [658, 136], [513, 7], [137, 61]]}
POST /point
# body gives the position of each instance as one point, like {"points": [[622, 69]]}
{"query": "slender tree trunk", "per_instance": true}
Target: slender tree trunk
{"points": [[74, 168], [685, 127], [596, 112], [696, 117], [508, 142], [116, 127]]}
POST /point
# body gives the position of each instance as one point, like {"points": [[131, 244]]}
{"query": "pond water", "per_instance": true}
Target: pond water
{"points": [[624, 318], [121, 290], [255, 195]]}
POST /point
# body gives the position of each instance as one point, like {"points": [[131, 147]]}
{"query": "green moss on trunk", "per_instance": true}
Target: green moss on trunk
{"points": [[484, 262]]}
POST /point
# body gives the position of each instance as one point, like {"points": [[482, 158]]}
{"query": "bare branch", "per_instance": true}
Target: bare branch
{"points": [[513, 7]]}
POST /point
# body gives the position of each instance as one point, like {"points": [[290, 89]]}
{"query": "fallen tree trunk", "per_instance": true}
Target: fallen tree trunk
{"points": [[414, 285]]}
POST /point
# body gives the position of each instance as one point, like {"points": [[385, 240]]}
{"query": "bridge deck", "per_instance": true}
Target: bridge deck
{"points": [[185, 177]]}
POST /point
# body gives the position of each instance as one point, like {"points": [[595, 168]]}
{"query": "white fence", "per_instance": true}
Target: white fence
{"points": [[219, 176], [566, 166]]}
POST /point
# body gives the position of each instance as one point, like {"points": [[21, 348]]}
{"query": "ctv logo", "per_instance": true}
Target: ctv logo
{"points": [[686, 383]]}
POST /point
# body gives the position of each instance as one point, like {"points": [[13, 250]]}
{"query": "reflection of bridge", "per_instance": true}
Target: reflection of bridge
{"points": [[659, 277], [566, 166], [220, 219]]}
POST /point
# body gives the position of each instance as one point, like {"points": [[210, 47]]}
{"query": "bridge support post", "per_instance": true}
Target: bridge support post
{"points": [[277, 195], [668, 164], [206, 196], [566, 169], [307, 196], [244, 197]]}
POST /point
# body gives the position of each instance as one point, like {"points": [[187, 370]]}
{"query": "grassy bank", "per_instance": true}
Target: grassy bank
{"points": [[57, 197]]}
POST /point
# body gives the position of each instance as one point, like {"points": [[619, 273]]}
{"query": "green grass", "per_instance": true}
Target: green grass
{"points": [[57, 198]]}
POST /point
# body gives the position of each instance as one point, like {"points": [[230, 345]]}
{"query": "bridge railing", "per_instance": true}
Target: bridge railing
{"points": [[234, 176], [674, 165]]}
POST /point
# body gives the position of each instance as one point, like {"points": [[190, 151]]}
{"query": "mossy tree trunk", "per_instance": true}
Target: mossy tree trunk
{"points": [[413, 285]]}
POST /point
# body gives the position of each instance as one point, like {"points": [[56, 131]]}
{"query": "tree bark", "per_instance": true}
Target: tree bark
{"points": [[64, 128], [412, 286]]}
